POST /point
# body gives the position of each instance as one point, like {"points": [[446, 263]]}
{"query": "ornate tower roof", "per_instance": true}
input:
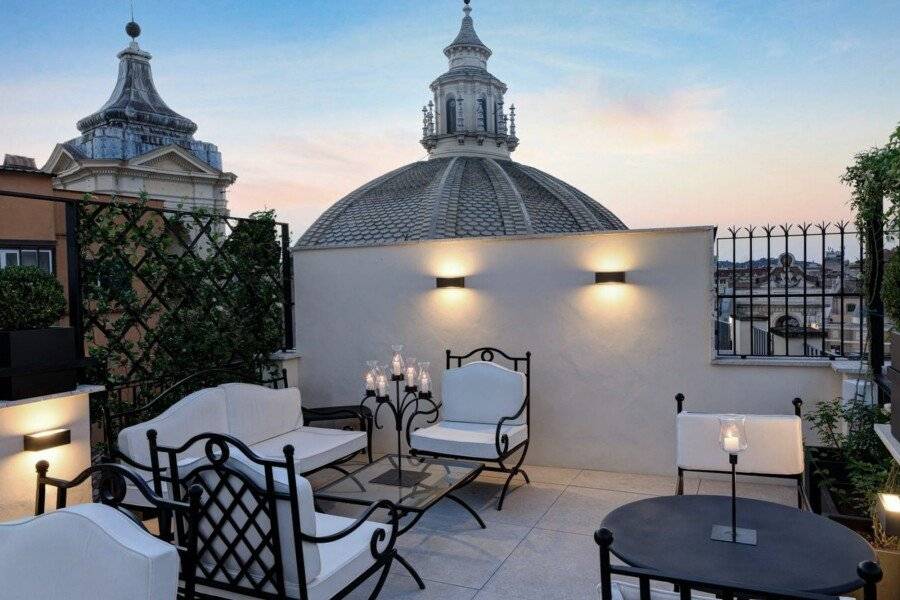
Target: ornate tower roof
{"points": [[136, 120], [467, 38]]}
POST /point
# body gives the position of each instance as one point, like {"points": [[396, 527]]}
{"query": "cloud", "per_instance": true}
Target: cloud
{"points": [[633, 124]]}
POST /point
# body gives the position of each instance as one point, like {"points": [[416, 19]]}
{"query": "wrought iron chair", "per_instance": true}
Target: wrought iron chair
{"points": [[776, 452], [259, 535], [869, 572], [484, 414], [96, 549]]}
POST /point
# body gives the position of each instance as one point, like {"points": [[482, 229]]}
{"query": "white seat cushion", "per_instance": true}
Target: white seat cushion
{"points": [[257, 413], [200, 412], [343, 560], [85, 551], [476, 440], [775, 444], [314, 447], [482, 392]]}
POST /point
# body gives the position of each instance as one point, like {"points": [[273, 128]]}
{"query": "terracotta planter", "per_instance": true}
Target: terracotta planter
{"points": [[889, 560]]}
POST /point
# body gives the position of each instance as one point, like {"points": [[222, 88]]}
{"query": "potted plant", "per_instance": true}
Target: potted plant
{"points": [[36, 358], [846, 474]]}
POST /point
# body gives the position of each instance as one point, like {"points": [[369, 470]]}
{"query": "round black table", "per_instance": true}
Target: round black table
{"points": [[795, 550]]}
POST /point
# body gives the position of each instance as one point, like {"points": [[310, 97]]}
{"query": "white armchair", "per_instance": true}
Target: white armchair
{"points": [[483, 414], [86, 551], [776, 446], [263, 418]]}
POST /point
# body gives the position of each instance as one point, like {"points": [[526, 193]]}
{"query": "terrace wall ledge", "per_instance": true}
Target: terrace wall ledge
{"points": [[762, 361]]}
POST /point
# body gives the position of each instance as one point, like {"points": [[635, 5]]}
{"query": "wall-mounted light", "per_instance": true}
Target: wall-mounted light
{"points": [[889, 513], [450, 282], [47, 439], [609, 277]]}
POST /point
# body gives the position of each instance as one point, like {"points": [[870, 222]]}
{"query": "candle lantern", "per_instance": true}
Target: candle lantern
{"points": [[424, 378], [409, 373], [381, 381], [397, 361], [733, 433], [733, 440]]}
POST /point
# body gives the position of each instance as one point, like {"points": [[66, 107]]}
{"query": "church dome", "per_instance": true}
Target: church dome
{"points": [[463, 196], [468, 187]]}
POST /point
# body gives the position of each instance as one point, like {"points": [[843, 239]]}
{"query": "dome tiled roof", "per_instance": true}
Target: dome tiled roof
{"points": [[462, 196]]}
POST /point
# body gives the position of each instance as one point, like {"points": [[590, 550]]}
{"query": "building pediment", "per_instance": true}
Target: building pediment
{"points": [[172, 159], [61, 160]]}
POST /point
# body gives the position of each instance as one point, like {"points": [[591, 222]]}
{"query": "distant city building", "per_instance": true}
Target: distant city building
{"points": [[135, 143], [468, 187]]}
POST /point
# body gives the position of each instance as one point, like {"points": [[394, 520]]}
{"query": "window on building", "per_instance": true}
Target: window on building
{"points": [[451, 115], [34, 256]]}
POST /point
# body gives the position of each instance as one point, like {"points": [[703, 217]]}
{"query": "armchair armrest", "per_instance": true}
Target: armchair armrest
{"points": [[431, 408], [501, 441], [378, 537]]}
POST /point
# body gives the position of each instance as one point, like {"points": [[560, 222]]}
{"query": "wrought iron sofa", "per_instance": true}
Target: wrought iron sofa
{"points": [[263, 418], [776, 446], [869, 572], [97, 551], [259, 535], [483, 414]]}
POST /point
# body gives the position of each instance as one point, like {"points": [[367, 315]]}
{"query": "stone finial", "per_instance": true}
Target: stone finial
{"points": [[424, 121]]}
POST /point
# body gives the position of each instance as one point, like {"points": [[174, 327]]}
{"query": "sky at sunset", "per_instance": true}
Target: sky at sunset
{"points": [[669, 113]]}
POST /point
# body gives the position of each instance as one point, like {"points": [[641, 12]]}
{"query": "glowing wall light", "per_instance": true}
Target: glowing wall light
{"points": [[609, 277], [42, 440], [889, 513], [450, 282]]}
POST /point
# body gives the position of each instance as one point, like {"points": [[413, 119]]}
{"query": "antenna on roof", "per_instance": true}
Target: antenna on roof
{"points": [[131, 28]]}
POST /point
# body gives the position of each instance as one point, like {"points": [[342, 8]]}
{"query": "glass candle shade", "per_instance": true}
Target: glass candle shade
{"points": [[381, 381], [424, 378], [397, 360], [410, 371], [733, 433]]}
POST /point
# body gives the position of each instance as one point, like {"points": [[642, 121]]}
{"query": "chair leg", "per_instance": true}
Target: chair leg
{"points": [[382, 578], [411, 570], [679, 487], [512, 473]]}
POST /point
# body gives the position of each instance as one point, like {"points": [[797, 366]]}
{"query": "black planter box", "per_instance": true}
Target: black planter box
{"points": [[35, 362], [820, 459]]}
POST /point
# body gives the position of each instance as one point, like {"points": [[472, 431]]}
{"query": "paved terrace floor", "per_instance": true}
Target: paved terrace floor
{"points": [[540, 546]]}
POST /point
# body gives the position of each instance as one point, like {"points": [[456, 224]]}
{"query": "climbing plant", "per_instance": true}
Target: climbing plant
{"points": [[168, 293]]}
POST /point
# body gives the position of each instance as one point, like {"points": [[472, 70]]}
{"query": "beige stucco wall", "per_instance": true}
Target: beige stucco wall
{"points": [[17, 473], [607, 360]]}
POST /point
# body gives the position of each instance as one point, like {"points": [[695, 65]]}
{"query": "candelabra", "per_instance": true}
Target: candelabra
{"points": [[416, 388]]}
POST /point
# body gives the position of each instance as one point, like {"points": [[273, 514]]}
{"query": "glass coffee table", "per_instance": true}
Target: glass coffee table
{"points": [[413, 483]]}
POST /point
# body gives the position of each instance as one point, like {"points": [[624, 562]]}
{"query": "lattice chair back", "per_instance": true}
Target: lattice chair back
{"points": [[100, 550], [253, 513]]}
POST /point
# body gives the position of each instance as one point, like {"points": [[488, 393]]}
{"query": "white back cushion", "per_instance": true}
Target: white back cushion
{"points": [[85, 551], [775, 444], [201, 412], [255, 472], [257, 413], [482, 392]]}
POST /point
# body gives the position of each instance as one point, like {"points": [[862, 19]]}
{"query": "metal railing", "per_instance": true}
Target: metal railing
{"points": [[792, 291]]}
